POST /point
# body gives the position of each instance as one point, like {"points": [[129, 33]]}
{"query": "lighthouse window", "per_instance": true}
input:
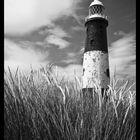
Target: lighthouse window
{"points": [[91, 41]]}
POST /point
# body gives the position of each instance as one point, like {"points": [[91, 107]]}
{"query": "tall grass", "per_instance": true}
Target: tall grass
{"points": [[39, 106]]}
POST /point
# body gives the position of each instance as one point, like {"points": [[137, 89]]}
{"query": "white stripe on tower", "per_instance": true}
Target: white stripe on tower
{"points": [[95, 69]]}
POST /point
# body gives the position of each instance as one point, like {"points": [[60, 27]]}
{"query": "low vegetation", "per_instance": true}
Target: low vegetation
{"points": [[39, 106]]}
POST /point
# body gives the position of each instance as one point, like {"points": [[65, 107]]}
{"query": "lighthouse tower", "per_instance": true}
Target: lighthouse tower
{"points": [[95, 60]]}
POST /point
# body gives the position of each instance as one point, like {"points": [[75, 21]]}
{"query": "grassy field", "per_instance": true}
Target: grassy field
{"points": [[38, 106]]}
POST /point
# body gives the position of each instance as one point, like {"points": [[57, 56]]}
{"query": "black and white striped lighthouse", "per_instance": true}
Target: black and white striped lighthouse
{"points": [[95, 60]]}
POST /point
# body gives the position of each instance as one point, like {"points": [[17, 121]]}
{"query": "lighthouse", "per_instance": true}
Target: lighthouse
{"points": [[95, 62], [95, 59]]}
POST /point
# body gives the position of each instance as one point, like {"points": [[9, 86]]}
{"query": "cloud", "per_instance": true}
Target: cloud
{"points": [[18, 55], [72, 58], [55, 40], [78, 28], [133, 20], [55, 36], [120, 33], [58, 31], [55, 30], [69, 61], [122, 55], [23, 16]]}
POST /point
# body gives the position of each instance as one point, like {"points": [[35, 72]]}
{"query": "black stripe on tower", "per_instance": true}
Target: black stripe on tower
{"points": [[96, 38]]}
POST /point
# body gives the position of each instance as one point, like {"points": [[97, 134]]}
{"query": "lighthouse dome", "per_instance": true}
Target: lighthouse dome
{"points": [[96, 10], [96, 2]]}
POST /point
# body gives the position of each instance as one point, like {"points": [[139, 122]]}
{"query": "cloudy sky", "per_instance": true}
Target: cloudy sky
{"points": [[41, 32]]}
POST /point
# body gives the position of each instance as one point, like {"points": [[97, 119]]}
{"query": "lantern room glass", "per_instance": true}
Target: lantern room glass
{"points": [[96, 9]]}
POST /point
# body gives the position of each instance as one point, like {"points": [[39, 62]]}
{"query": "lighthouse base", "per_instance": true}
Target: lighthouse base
{"points": [[91, 110]]}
